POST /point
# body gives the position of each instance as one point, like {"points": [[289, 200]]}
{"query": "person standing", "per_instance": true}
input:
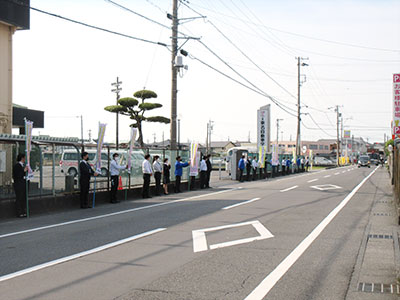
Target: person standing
{"points": [[114, 172], [302, 164], [283, 164], [241, 166], [248, 168], [86, 172], [307, 164], [178, 173], [254, 165], [19, 173], [166, 175], [157, 167], [288, 166], [203, 173], [147, 172], [209, 169]]}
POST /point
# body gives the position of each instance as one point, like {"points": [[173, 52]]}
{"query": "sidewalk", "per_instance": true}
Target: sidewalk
{"points": [[377, 267]]}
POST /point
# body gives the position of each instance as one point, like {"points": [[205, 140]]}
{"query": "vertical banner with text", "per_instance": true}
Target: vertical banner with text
{"points": [[131, 144], [396, 106], [28, 146], [100, 141], [264, 127]]}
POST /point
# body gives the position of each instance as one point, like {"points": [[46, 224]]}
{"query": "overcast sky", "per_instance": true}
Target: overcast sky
{"points": [[353, 48]]}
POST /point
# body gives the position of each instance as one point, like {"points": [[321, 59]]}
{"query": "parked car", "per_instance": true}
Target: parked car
{"points": [[322, 161], [364, 161]]}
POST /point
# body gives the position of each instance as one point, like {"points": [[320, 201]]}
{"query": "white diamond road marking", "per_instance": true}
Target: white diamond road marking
{"points": [[200, 240], [325, 187]]}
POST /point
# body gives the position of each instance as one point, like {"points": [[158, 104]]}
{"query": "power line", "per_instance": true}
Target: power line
{"points": [[242, 52], [304, 36], [85, 24], [240, 83]]}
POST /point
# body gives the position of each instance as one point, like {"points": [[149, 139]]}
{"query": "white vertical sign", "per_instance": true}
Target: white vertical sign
{"points": [[396, 106], [263, 127]]}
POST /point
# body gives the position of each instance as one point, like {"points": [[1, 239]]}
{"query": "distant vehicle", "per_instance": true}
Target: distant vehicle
{"points": [[364, 161], [322, 161], [70, 158], [374, 158]]}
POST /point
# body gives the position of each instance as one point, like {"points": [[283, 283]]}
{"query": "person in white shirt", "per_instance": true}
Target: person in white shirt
{"points": [[203, 173], [158, 168], [115, 169], [147, 172], [254, 164]]}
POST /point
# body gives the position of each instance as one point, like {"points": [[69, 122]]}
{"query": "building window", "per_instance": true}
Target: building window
{"points": [[321, 147], [326, 148], [313, 147]]}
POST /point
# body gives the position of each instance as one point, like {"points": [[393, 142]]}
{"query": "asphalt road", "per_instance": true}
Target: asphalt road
{"points": [[215, 244]]}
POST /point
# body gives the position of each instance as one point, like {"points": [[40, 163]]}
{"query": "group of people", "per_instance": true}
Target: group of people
{"points": [[251, 165], [161, 171]]}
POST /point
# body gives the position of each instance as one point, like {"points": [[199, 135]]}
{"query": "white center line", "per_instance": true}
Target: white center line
{"points": [[269, 282], [326, 176], [81, 254], [337, 173], [241, 203], [312, 180], [288, 189]]}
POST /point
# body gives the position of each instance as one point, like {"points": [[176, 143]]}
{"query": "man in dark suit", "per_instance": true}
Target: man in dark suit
{"points": [[209, 169], [86, 172], [19, 172]]}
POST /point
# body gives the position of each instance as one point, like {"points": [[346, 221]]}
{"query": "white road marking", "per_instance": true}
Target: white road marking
{"points": [[312, 180], [325, 187], [81, 254], [327, 176], [241, 203], [348, 170], [288, 189], [269, 282], [200, 240], [114, 213], [337, 173], [343, 171]]}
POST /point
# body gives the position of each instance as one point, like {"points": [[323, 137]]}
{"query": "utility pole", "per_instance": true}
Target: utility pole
{"points": [[338, 115], [277, 134], [116, 91], [174, 72], [154, 138], [210, 127], [83, 145], [299, 83], [179, 133]]}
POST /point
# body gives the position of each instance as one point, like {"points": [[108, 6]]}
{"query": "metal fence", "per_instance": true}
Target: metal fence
{"points": [[55, 166]]}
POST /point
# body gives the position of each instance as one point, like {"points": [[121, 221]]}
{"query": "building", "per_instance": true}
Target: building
{"points": [[221, 147], [318, 147], [13, 16]]}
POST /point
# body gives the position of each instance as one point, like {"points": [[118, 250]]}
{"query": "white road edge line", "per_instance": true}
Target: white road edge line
{"points": [[78, 255], [269, 282], [114, 213], [327, 176], [241, 203], [312, 180], [288, 189]]}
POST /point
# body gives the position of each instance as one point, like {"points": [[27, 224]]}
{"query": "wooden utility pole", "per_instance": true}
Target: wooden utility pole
{"points": [[174, 72], [116, 91]]}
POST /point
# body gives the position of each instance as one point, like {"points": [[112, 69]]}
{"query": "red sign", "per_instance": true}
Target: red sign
{"points": [[396, 105]]}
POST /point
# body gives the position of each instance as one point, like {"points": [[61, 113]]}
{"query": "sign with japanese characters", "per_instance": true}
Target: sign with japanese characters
{"points": [[346, 134], [263, 127], [396, 105]]}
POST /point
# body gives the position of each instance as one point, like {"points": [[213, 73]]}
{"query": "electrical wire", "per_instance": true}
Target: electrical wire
{"points": [[302, 35], [242, 52], [85, 24]]}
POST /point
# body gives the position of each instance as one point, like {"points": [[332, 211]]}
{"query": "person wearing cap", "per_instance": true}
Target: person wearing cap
{"points": [[203, 173], [115, 169]]}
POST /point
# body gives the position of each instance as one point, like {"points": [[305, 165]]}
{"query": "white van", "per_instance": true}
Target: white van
{"points": [[70, 159]]}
